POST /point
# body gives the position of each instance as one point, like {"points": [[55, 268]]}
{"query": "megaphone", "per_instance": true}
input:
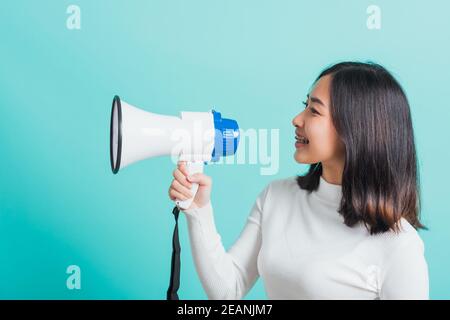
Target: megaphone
{"points": [[194, 137]]}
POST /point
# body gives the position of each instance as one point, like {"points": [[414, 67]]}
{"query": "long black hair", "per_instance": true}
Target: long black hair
{"points": [[371, 114]]}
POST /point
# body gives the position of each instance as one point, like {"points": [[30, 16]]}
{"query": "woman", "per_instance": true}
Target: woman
{"points": [[344, 230]]}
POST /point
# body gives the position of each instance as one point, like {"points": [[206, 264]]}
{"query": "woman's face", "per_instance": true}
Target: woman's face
{"points": [[315, 123]]}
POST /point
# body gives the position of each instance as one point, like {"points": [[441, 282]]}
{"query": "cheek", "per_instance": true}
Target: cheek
{"points": [[323, 145], [323, 140]]}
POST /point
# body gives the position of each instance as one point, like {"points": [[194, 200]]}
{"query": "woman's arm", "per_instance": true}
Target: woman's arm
{"points": [[407, 274], [225, 274]]}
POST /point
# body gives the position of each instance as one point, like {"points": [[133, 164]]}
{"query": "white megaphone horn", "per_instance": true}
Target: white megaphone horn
{"points": [[195, 137]]}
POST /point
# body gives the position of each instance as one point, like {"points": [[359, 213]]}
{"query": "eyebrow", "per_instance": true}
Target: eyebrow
{"points": [[316, 100]]}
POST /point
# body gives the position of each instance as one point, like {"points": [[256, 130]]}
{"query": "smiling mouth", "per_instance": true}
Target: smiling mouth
{"points": [[301, 139]]}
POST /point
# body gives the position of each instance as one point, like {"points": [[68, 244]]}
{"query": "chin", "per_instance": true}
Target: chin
{"points": [[299, 159]]}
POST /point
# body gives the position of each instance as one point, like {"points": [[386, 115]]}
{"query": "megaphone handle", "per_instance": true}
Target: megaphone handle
{"points": [[192, 168]]}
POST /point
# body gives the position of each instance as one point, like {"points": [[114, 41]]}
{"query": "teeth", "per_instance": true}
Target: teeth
{"points": [[302, 139]]}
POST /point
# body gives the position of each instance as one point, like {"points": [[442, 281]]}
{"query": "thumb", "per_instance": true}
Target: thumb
{"points": [[199, 178]]}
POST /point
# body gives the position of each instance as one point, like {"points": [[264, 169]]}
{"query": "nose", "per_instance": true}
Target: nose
{"points": [[298, 121]]}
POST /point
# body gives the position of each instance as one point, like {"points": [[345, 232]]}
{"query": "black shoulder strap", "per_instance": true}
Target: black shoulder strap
{"points": [[175, 265]]}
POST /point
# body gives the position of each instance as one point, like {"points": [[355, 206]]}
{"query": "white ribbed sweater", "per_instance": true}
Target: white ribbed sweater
{"points": [[298, 244]]}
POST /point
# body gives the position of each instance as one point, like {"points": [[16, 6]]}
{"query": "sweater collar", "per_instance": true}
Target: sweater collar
{"points": [[329, 192]]}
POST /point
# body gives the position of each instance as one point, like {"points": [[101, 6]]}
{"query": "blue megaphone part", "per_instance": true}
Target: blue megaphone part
{"points": [[226, 138]]}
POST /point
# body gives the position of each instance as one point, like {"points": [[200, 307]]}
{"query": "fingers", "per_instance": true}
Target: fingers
{"points": [[201, 179], [182, 167], [181, 178], [181, 189], [173, 194]]}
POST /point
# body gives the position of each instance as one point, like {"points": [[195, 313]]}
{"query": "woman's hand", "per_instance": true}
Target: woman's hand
{"points": [[182, 183]]}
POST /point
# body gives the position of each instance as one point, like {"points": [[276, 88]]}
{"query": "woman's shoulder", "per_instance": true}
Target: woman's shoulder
{"points": [[408, 234], [277, 187], [282, 184], [405, 240]]}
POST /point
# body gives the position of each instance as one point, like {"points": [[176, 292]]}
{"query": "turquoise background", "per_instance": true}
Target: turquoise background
{"points": [[252, 60]]}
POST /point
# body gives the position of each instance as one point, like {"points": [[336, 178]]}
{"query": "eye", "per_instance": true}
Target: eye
{"points": [[314, 111]]}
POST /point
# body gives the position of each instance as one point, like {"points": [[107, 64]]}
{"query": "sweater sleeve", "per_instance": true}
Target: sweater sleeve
{"points": [[406, 277], [225, 274]]}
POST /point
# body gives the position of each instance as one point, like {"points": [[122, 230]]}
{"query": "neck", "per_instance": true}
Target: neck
{"points": [[332, 172]]}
